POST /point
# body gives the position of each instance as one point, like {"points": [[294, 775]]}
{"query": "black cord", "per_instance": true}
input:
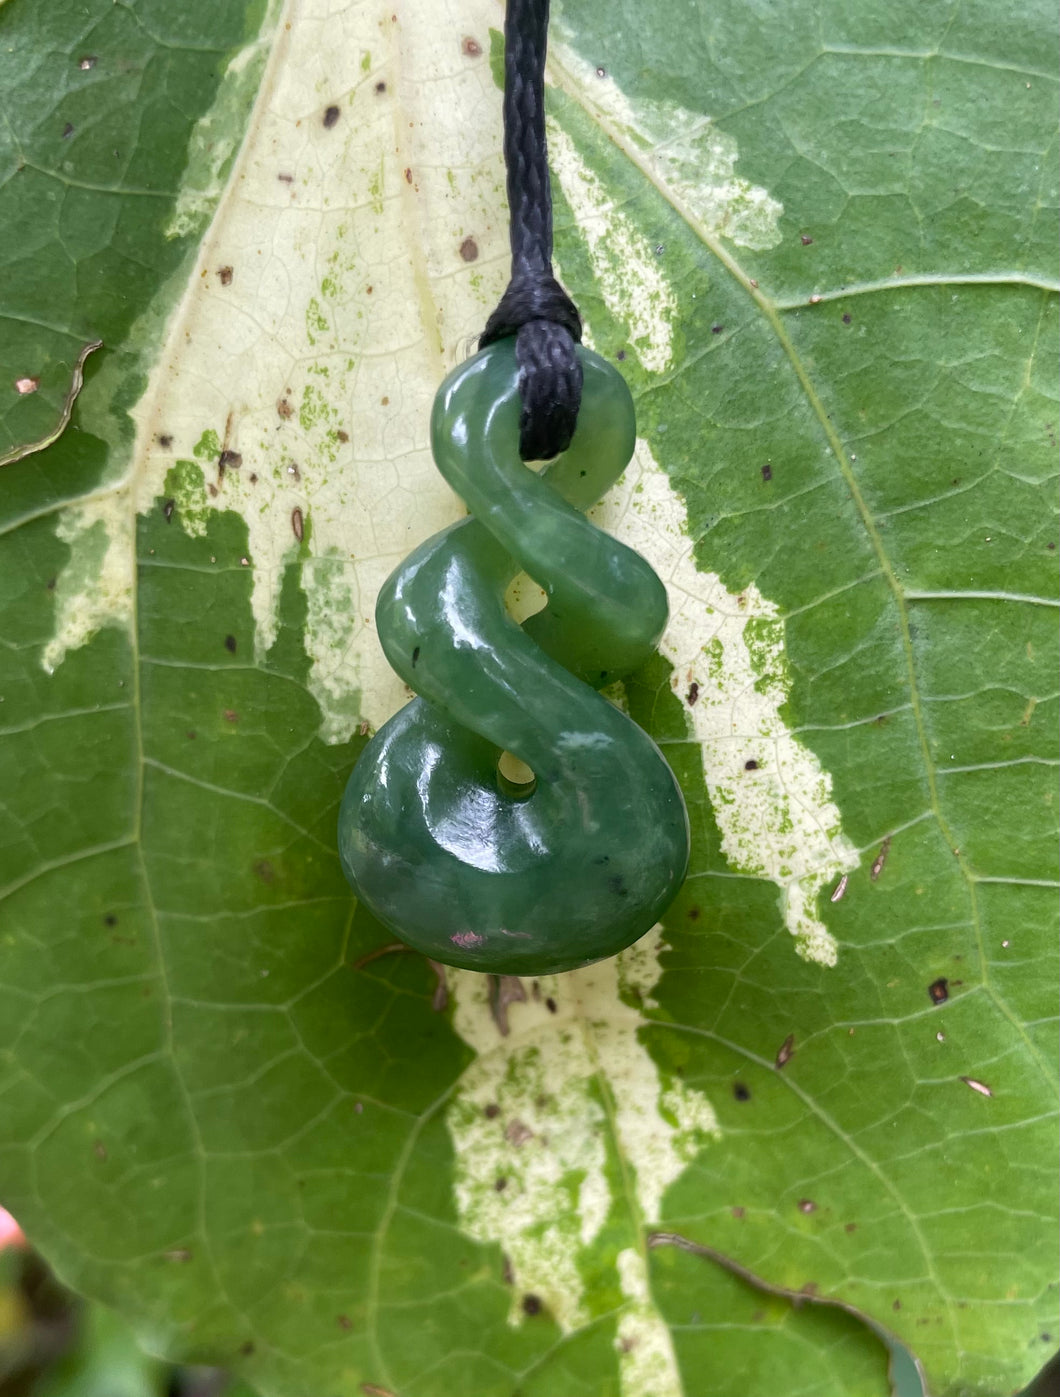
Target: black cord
{"points": [[534, 308]]}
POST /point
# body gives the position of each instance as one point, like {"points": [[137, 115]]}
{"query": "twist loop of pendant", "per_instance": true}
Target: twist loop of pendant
{"points": [[447, 851]]}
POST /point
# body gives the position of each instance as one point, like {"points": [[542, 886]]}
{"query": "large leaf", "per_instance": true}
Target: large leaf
{"points": [[819, 239]]}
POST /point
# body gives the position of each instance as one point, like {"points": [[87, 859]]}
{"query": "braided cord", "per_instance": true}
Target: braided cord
{"points": [[534, 308]]}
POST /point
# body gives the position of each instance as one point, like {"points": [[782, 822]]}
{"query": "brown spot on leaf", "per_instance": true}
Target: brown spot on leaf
{"points": [[99, 1149], [851, 1227], [807, 1205], [230, 644], [29, 384], [224, 275], [284, 408], [164, 440], [469, 250], [180, 1254], [767, 472], [880, 859], [693, 693], [264, 870], [380, 87], [531, 1305], [470, 48], [806, 241], [68, 130], [550, 1004], [331, 116], [408, 174], [504, 990], [517, 1133], [229, 460], [741, 1091], [87, 62], [297, 524], [786, 1051], [168, 506], [500, 1184], [939, 990], [693, 914], [750, 765], [231, 716], [344, 1322], [847, 318], [491, 1110], [737, 1213], [341, 435]]}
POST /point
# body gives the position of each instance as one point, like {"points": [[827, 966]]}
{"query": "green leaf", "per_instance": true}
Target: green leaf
{"points": [[819, 240]]}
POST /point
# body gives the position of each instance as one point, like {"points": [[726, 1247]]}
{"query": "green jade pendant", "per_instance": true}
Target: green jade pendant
{"points": [[457, 860]]}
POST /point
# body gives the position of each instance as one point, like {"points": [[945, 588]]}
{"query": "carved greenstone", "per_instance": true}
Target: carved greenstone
{"points": [[459, 861]]}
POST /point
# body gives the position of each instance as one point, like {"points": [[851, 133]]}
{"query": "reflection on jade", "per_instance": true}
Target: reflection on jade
{"points": [[457, 859]]}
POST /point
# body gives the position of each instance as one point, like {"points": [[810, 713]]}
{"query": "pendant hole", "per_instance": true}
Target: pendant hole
{"points": [[516, 778], [524, 598]]}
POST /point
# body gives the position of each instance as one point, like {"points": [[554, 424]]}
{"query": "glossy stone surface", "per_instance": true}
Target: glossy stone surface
{"points": [[457, 861]]}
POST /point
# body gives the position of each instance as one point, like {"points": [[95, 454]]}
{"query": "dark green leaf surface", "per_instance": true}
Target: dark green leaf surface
{"points": [[836, 306]]}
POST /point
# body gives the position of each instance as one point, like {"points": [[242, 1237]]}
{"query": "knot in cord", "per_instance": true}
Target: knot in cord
{"points": [[534, 308], [546, 326]]}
